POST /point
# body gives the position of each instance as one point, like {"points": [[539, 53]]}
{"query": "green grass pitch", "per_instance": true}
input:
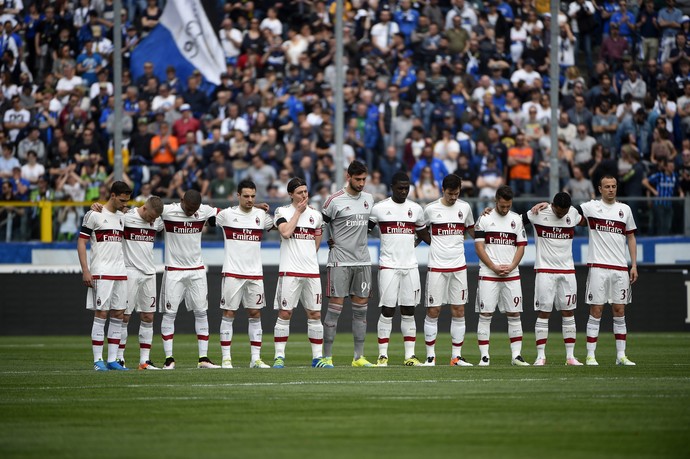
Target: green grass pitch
{"points": [[52, 405]]}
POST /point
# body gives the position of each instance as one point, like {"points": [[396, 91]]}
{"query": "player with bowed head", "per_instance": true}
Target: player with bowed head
{"points": [[500, 242], [448, 220], [299, 280], [243, 228], [346, 212], [611, 227], [401, 221], [105, 274]]}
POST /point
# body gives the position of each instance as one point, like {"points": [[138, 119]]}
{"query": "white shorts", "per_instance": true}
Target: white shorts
{"points": [[107, 294], [141, 292], [608, 286], [235, 290], [507, 295], [292, 290], [178, 285], [555, 290], [399, 287], [446, 288]]}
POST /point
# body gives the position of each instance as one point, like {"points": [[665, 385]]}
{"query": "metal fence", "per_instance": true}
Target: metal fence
{"points": [[43, 220]]}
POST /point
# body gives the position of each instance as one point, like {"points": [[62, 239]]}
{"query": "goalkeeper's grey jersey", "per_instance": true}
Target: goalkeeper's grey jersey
{"points": [[348, 218]]}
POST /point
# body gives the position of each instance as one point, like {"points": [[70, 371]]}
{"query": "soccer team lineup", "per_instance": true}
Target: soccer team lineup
{"points": [[120, 274]]}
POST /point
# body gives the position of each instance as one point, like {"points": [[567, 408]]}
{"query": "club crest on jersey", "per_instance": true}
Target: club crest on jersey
{"points": [[284, 303], [460, 214], [366, 205], [409, 213], [168, 305], [258, 222], [98, 302], [536, 303], [431, 299], [620, 213], [311, 220], [590, 297], [567, 220], [222, 301], [512, 224], [196, 214], [481, 305]]}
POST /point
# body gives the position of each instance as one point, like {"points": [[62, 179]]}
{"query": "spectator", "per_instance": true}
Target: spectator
{"points": [[580, 188], [32, 170], [32, 142], [164, 146], [7, 161], [663, 184], [262, 175], [221, 186], [426, 189], [582, 145], [427, 159], [520, 166]]}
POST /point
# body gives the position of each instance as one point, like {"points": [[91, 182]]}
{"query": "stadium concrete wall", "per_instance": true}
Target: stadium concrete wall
{"points": [[53, 304]]}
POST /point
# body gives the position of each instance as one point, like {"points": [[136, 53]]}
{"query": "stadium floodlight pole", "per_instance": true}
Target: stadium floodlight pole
{"points": [[118, 171], [339, 103], [554, 184]]}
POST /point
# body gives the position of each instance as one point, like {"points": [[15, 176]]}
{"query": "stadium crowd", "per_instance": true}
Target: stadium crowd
{"points": [[431, 88]]}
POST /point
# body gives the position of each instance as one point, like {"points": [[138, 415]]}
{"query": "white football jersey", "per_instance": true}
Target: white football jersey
{"points": [[138, 243], [298, 253], [183, 236], [501, 236], [104, 230], [609, 226], [554, 240], [243, 232], [398, 224], [447, 226]]}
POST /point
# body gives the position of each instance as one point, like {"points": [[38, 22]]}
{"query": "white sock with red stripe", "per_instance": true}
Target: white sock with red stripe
{"points": [[383, 329], [114, 333], [168, 333], [457, 335], [541, 333], [592, 335], [569, 334], [281, 332], [315, 334], [515, 335], [201, 328], [145, 340], [255, 337], [226, 337], [620, 331], [123, 341], [408, 327], [430, 334], [484, 335], [97, 335]]}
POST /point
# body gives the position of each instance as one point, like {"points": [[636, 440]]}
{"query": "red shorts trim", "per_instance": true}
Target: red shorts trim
{"points": [[447, 270], [499, 279], [291, 274], [107, 277], [555, 271], [240, 276], [615, 268], [172, 268]]}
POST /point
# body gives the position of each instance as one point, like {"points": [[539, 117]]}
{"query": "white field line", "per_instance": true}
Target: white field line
{"points": [[340, 382]]}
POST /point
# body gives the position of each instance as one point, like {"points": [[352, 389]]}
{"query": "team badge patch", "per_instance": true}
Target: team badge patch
{"points": [[258, 222], [512, 224], [590, 296], [284, 303], [98, 302], [431, 299], [536, 303], [481, 305], [366, 205], [409, 213], [620, 214], [311, 220], [168, 305], [222, 301], [460, 214], [567, 220]]}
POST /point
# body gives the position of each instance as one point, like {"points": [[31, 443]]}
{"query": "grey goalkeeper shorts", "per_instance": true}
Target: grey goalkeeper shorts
{"points": [[345, 281]]}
